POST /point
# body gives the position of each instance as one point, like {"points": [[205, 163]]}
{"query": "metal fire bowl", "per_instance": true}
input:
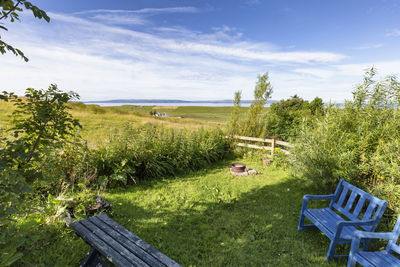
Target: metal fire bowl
{"points": [[238, 167]]}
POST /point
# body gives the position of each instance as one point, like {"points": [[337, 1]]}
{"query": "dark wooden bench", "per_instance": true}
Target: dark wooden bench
{"points": [[116, 244], [388, 257], [349, 208]]}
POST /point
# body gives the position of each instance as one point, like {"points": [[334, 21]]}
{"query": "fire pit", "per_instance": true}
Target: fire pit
{"points": [[238, 167]]}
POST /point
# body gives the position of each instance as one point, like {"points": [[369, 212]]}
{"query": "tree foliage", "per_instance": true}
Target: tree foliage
{"points": [[40, 120], [10, 10], [234, 124], [262, 92]]}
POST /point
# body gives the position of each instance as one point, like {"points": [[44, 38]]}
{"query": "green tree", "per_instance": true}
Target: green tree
{"points": [[317, 106], [262, 92], [9, 10], [234, 124], [41, 118]]}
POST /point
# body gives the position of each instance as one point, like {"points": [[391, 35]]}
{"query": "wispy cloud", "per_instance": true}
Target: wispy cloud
{"points": [[369, 46], [152, 11], [132, 17], [394, 32], [103, 61]]}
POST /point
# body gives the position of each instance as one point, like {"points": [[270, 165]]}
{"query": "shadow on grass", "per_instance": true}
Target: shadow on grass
{"points": [[257, 228]]}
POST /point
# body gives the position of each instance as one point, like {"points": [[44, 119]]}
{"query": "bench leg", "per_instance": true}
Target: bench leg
{"points": [[301, 222], [93, 259], [331, 250]]}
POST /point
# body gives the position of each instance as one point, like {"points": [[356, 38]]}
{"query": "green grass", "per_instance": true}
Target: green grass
{"points": [[205, 218]]}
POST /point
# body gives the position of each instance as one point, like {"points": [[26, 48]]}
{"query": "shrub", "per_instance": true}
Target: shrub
{"points": [[359, 142]]}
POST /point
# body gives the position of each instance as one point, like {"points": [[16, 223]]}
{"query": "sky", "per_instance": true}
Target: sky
{"points": [[202, 49]]}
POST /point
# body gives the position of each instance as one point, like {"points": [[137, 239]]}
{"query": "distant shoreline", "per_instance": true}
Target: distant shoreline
{"points": [[171, 102]]}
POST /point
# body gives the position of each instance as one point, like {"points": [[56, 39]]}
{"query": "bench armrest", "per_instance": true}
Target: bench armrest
{"points": [[306, 198], [342, 224], [358, 235]]}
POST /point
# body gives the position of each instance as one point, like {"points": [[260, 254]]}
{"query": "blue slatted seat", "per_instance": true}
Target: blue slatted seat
{"points": [[349, 208], [379, 258]]}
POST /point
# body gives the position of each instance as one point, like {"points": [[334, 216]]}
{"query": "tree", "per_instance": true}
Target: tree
{"points": [[40, 119], [262, 92], [9, 10], [234, 124]]}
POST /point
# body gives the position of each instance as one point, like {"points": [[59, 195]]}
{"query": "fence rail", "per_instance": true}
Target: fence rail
{"points": [[273, 144]]}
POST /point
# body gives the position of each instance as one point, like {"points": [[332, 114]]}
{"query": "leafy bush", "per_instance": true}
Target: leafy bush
{"points": [[360, 142], [285, 118]]}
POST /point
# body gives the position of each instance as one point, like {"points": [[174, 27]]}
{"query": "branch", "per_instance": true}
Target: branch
{"points": [[11, 10]]}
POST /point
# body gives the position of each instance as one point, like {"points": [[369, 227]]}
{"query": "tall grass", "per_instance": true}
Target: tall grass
{"points": [[153, 151], [359, 142]]}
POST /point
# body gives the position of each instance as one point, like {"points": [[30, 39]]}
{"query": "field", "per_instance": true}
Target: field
{"points": [[98, 122]]}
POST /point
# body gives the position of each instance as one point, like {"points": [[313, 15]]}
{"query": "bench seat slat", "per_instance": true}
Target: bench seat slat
{"points": [[328, 219], [126, 243], [132, 258], [380, 258], [94, 241], [135, 239]]}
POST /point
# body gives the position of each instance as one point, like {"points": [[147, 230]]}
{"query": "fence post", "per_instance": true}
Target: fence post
{"points": [[273, 146]]}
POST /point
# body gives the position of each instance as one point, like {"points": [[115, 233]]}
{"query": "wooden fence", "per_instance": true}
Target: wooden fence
{"points": [[273, 144]]}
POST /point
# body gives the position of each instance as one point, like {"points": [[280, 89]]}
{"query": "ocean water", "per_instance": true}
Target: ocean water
{"points": [[202, 104]]}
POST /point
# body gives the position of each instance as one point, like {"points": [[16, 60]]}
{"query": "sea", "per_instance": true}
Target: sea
{"points": [[245, 103]]}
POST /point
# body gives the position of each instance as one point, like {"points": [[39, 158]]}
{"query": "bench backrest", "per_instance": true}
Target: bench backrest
{"points": [[393, 244], [358, 205]]}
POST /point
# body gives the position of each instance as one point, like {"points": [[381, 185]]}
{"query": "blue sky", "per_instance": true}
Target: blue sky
{"points": [[199, 50]]}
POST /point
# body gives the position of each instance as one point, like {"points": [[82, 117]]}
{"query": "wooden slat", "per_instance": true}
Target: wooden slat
{"points": [[380, 258], [254, 146], [125, 242], [247, 138], [342, 197], [93, 240], [283, 143], [161, 257], [121, 250]]}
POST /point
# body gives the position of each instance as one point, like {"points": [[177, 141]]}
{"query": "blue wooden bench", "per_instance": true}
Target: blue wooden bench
{"points": [[385, 258], [349, 208], [117, 245]]}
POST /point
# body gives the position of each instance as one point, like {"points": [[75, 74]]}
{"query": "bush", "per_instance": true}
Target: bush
{"points": [[360, 142]]}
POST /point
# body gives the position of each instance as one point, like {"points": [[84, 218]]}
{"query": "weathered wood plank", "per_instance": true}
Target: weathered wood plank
{"points": [[254, 146], [121, 250], [124, 241], [283, 143], [247, 138], [93, 240], [161, 257]]}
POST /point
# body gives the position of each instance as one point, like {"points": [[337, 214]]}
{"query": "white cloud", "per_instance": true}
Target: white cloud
{"points": [[370, 46], [101, 61], [132, 17], [187, 9], [395, 32]]}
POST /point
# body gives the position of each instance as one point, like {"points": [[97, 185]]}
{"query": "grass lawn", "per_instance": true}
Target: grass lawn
{"points": [[205, 218]]}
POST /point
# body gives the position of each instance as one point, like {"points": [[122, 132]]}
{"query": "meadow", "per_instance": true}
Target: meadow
{"points": [[98, 122]]}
